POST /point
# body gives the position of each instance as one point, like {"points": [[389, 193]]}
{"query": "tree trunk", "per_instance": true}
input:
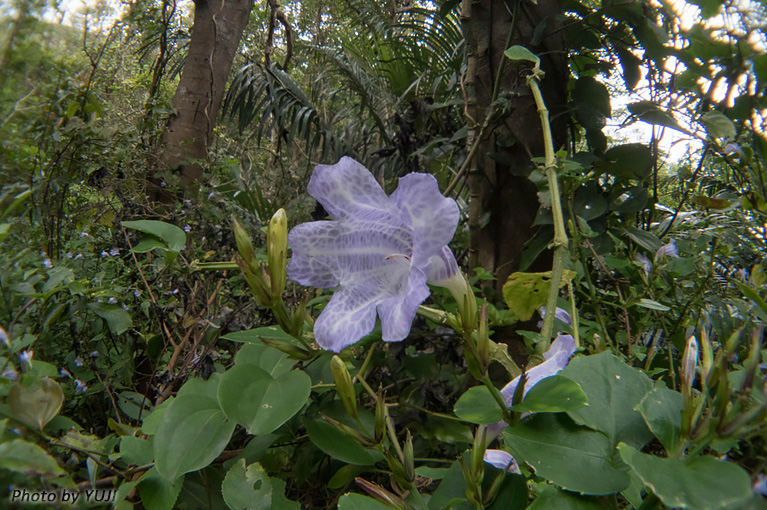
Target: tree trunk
{"points": [[216, 33], [503, 201]]}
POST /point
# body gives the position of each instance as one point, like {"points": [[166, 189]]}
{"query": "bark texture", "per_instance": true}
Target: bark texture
{"points": [[216, 33], [503, 202]]}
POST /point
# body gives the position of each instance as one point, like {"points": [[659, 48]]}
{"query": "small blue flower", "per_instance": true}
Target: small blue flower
{"points": [[63, 372], [78, 256], [94, 354], [759, 485], [80, 386], [79, 362], [502, 460], [11, 375], [137, 293], [642, 259], [104, 254], [4, 339], [26, 357], [68, 255], [187, 228], [668, 250], [561, 315], [47, 263], [113, 300], [380, 251], [114, 252]]}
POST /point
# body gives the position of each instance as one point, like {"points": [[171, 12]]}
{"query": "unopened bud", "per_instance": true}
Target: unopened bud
{"points": [[293, 351], [381, 494], [751, 366], [478, 453], [483, 339], [380, 422], [277, 251], [689, 363], [362, 439], [256, 282], [244, 244], [707, 358], [344, 385], [409, 457]]}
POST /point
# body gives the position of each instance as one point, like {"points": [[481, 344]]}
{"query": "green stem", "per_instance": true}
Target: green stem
{"points": [[560, 235]]}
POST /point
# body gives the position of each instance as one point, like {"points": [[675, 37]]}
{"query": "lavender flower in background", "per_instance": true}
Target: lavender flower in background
{"points": [[113, 300], [47, 263], [560, 314], [187, 228], [11, 375], [668, 250], [642, 259], [4, 339], [114, 252], [759, 485], [80, 386], [502, 460], [379, 251], [25, 357], [104, 254], [555, 359], [79, 362], [63, 372]]}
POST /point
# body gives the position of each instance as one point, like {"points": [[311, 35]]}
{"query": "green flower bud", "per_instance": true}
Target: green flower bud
{"points": [[293, 351], [344, 385], [689, 363], [277, 251], [382, 495], [409, 458], [244, 244]]}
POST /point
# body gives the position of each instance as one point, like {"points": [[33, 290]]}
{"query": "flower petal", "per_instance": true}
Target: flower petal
{"points": [[502, 460], [442, 268], [397, 312], [432, 216], [347, 190], [556, 358], [351, 313], [330, 253]]}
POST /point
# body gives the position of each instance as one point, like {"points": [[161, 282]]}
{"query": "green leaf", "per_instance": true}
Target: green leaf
{"points": [[592, 99], [271, 360], [614, 389], [553, 394], [477, 405], [36, 404], [646, 111], [718, 125], [661, 409], [354, 501], [22, 457], [629, 161], [254, 336], [525, 293], [431, 473], [552, 498], [573, 457], [703, 483], [192, 418], [136, 451], [517, 52], [652, 305], [173, 237], [118, 319], [632, 72], [451, 490], [252, 489], [259, 402], [588, 202], [643, 238], [157, 493], [337, 444]]}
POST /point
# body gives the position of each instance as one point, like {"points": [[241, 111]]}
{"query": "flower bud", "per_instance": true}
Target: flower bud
{"points": [[409, 457], [277, 251], [380, 414], [344, 385], [382, 495], [483, 340], [362, 439], [707, 358], [689, 363], [244, 244], [293, 351], [256, 282]]}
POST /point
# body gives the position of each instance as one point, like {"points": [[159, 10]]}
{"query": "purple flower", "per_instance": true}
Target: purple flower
{"points": [[502, 460], [555, 359], [47, 263], [11, 375], [114, 252], [642, 259], [668, 250], [104, 254], [79, 361], [80, 386], [759, 486], [63, 372], [380, 251], [187, 228], [26, 357], [4, 339], [112, 300], [560, 314]]}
